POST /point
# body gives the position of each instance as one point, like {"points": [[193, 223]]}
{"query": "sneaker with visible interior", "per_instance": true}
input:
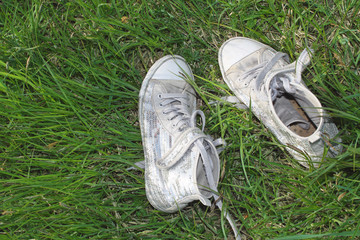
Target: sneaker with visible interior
{"points": [[265, 81], [181, 162]]}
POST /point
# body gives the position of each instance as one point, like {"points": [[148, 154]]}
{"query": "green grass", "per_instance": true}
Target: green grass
{"points": [[70, 73]]}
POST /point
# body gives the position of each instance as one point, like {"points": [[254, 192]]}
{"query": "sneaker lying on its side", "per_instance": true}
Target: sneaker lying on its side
{"points": [[263, 79], [181, 162]]}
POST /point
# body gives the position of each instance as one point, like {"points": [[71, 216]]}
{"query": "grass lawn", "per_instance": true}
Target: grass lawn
{"points": [[70, 74]]}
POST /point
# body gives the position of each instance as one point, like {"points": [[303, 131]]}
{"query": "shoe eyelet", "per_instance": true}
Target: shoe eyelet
{"points": [[160, 104], [159, 96]]}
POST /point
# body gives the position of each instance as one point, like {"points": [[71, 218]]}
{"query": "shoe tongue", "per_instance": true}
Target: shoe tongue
{"points": [[174, 86], [267, 54], [288, 114], [251, 61]]}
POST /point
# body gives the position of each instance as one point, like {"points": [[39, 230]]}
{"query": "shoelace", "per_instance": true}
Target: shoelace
{"points": [[180, 117], [282, 82], [177, 113]]}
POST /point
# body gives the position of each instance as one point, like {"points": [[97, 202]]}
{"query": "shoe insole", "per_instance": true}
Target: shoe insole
{"points": [[293, 116], [295, 127]]}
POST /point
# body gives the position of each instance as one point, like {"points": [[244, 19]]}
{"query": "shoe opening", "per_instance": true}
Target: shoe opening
{"points": [[297, 113]]}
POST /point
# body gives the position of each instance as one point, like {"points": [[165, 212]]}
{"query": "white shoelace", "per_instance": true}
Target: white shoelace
{"points": [[282, 82], [177, 113]]}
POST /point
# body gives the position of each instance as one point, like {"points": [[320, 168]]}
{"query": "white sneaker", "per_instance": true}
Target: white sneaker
{"points": [[264, 80], [181, 162]]}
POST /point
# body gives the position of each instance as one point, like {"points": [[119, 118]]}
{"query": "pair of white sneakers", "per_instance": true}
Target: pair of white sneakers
{"points": [[182, 163]]}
